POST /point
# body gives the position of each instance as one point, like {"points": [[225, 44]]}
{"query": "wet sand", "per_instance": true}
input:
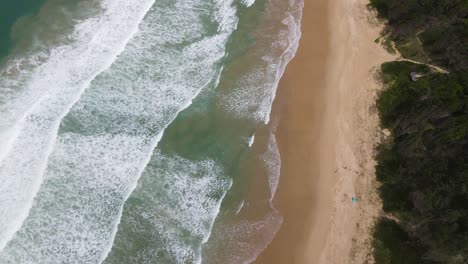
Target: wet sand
{"points": [[300, 108], [326, 133]]}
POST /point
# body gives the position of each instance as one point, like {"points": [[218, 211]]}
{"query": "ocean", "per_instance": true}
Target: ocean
{"points": [[140, 131]]}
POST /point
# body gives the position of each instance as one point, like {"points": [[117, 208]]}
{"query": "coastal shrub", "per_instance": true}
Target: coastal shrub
{"points": [[392, 245], [393, 101], [428, 30], [423, 167]]}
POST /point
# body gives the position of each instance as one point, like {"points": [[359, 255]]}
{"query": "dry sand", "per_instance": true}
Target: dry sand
{"points": [[327, 131]]}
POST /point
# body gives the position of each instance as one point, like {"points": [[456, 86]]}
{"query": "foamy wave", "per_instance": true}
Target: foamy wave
{"points": [[272, 160], [248, 3], [245, 231], [199, 181], [293, 35], [276, 44], [58, 229], [246, 228], [245, 239], [172, 211], [251, 140], [106, 139], [33, 107]]}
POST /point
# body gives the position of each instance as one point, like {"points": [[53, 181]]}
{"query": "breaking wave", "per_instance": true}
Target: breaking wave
{"points": [[125, 127]]}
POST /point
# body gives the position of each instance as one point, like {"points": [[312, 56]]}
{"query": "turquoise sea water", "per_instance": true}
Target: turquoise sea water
{"points": [[134, 131], [10, 12]]}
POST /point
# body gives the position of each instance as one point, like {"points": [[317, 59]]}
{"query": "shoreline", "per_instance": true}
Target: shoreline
{"points": [[299, 111], [326, 134]]}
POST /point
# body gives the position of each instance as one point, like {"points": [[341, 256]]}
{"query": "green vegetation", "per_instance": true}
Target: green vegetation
{"points": [[423, 166], [395, 245], [388, 45], [433, 31]]}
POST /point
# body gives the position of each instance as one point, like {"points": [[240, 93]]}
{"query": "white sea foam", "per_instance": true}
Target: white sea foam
{"points": [[251, 140], [276, 44], [242, 241], [116, 221], [165, 242], [272, 159], [239, 208], [34, 107], [256, 221], [106, 140], [293, 35], [172, 210], [108, 136], [248, 3], [251, 97]]}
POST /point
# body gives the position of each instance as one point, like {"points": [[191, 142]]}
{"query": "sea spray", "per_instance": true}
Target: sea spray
{"points": [[55, 85]]}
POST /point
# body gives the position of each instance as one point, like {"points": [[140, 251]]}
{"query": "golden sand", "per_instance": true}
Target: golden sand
{"points": [[327, 131]]}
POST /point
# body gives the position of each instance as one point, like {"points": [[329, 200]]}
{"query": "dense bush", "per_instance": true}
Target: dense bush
{"points": [[424, 167], [395, 246], [433, 31]]}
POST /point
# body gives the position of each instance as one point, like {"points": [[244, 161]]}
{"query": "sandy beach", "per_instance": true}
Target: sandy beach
{"points": [[327, 130]]}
